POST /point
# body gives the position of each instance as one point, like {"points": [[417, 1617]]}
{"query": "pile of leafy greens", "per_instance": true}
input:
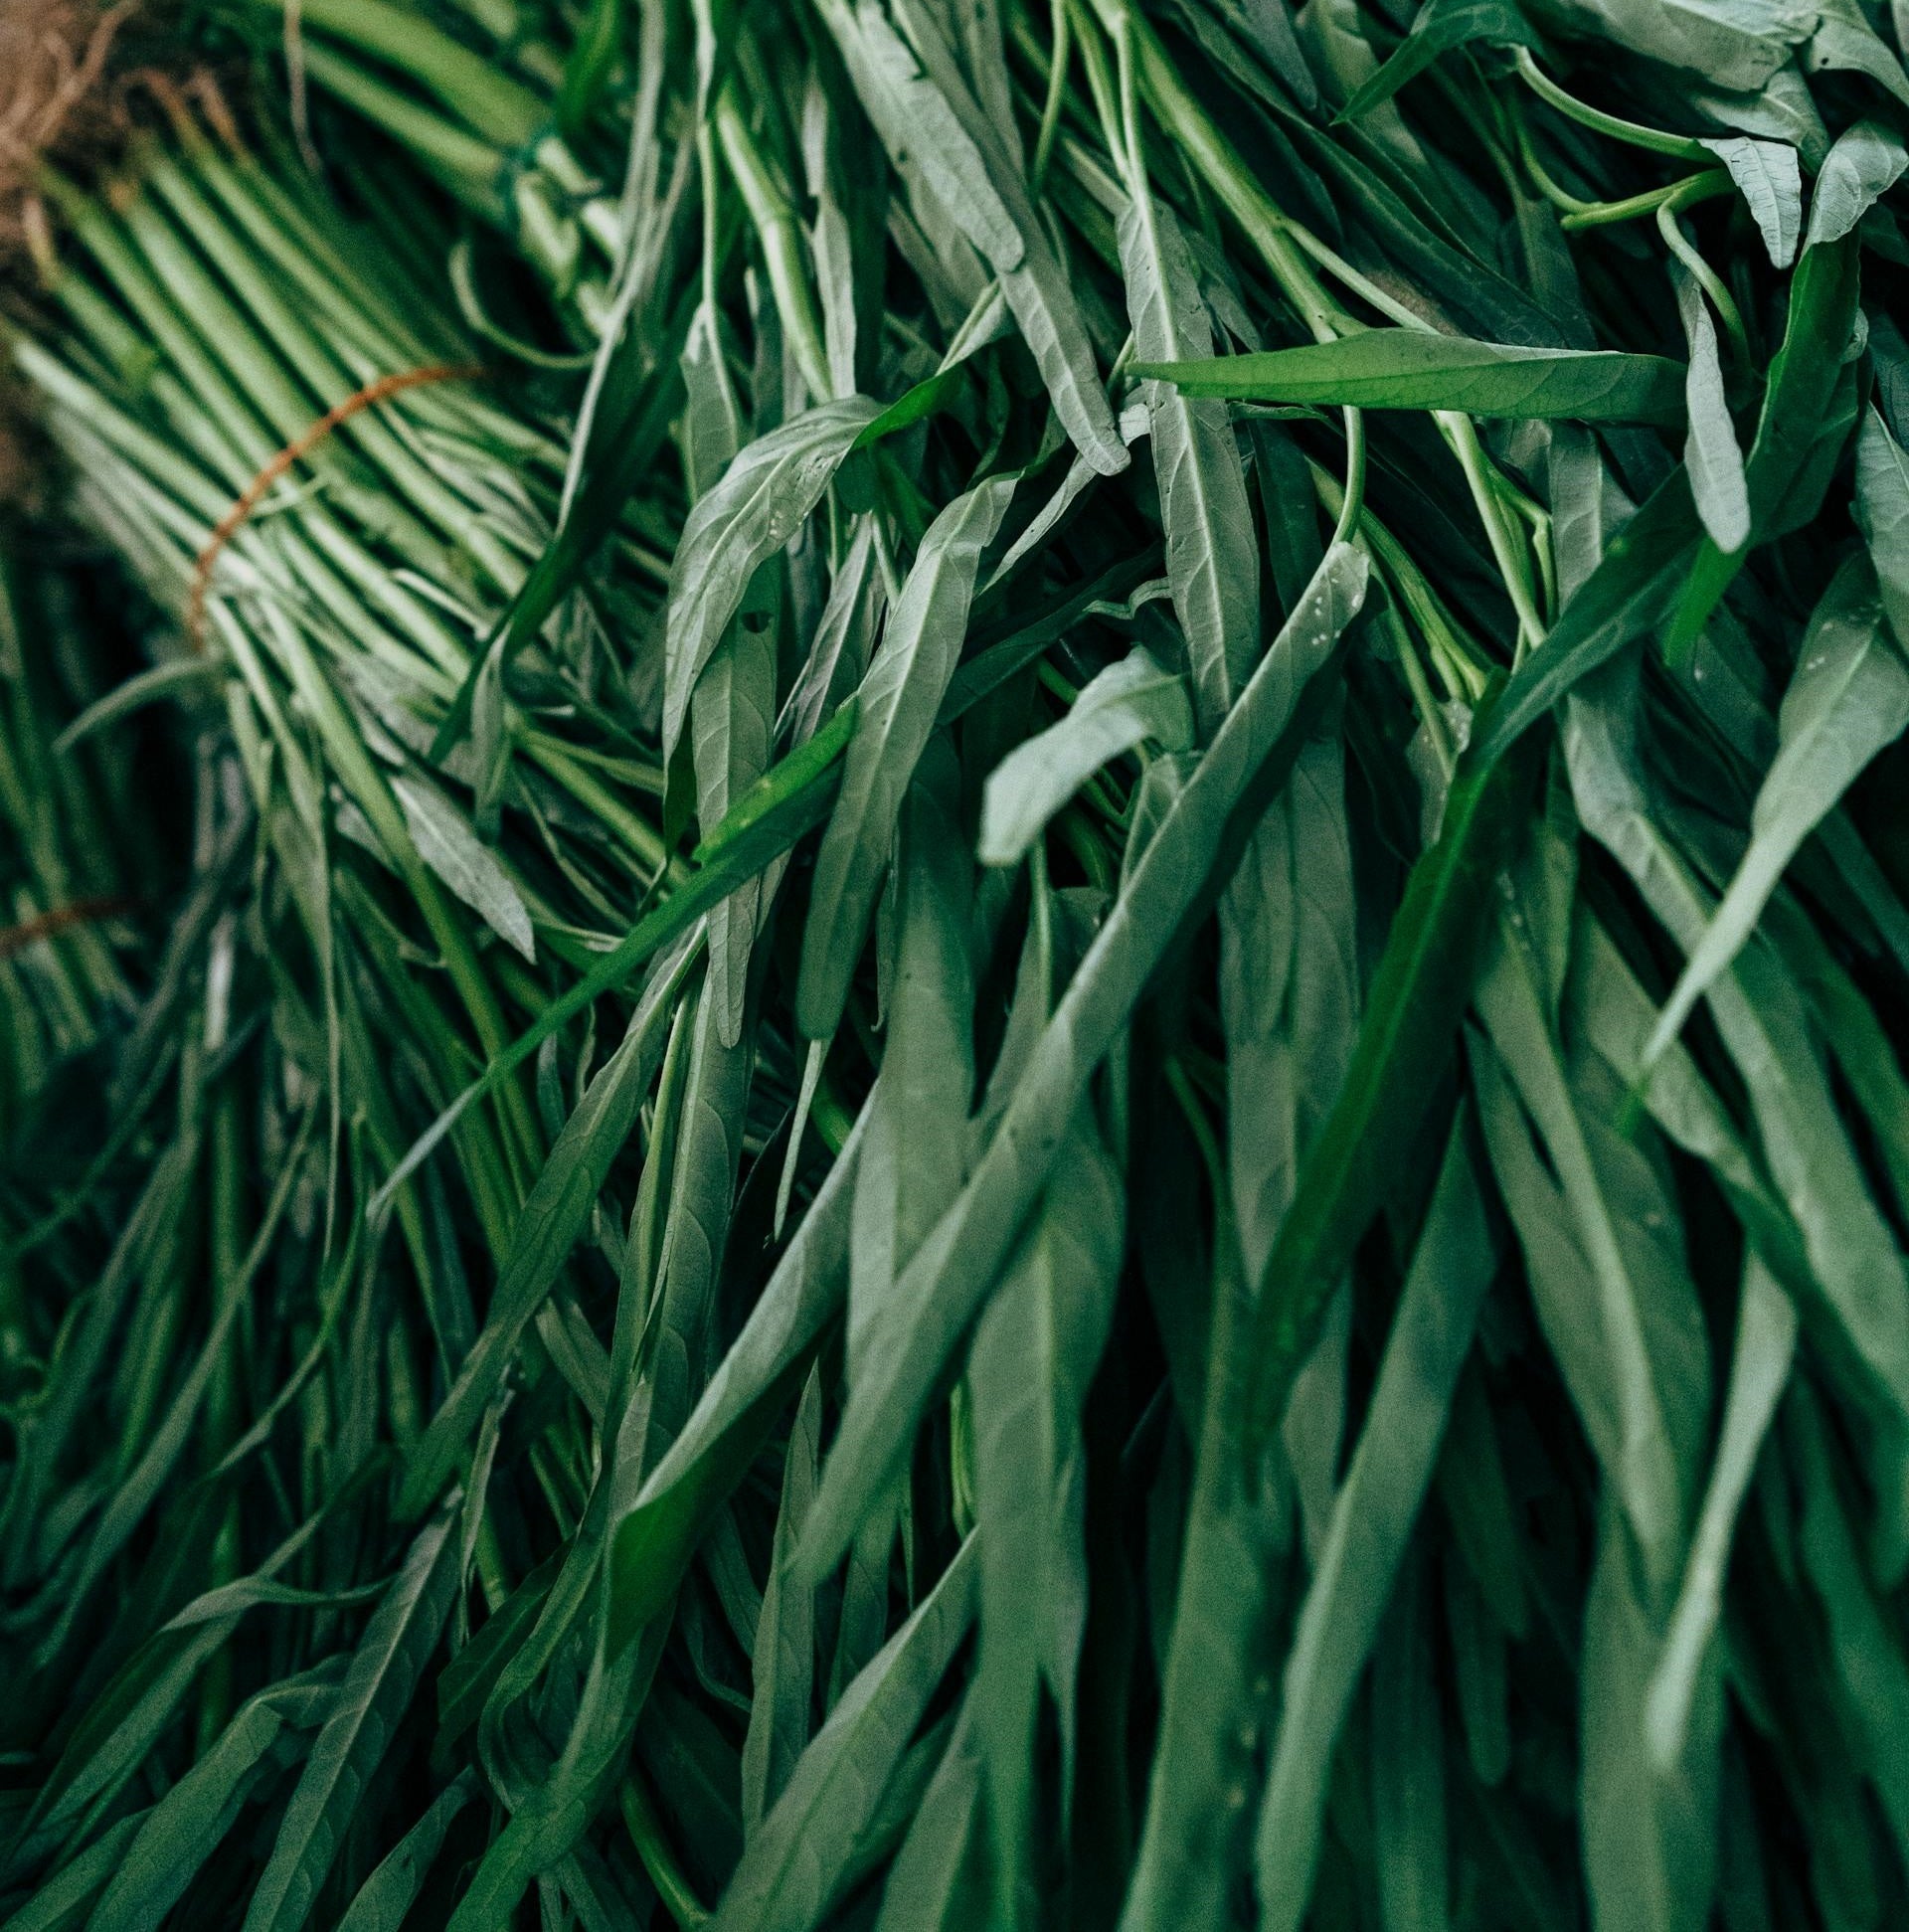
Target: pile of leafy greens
{"points": [[975, 995]]}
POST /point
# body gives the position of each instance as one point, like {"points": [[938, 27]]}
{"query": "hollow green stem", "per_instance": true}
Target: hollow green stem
{"points": [[1612, 126], [1693, 188], [1055, 93], [1481, 478], [780, 233], [1708, 279]]}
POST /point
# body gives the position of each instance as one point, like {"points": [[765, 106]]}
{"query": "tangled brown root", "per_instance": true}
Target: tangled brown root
{"points": [[56, 104], [53, 102]]}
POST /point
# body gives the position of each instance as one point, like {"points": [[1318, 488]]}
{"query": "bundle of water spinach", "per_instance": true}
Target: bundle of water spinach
{"points": [[1019, 1038]]}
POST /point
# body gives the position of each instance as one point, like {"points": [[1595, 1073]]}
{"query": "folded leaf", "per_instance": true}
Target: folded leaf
{"points": [[1126, 704]]}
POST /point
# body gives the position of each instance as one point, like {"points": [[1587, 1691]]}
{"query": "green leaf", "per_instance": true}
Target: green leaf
{"points": [[1849, 698], [915, 1153], [1712, 459], [797, 1863], [1129, 703], [1865, 1647], [783, 1657], [1759, 1369], [1850, 1255], [732, 717], [1635, 583], [1289, 990], [1437, 28], [937, 1293], [1650, 1836], [929, 121], [1608, 1281], [1416, 1001], [1882, 514], [712, 1451], [188, 1825], [921, 129], [1036, 1348], [1845, 43], [1212, 561], [1371, 1524], [555, 1215], [446, 843], [64, 1900], [1733, 43], [372, 1701], [935, 1883], [789, 799], [1770, 179], [762, 500], [1866, 161], [899, 699], [1410, 1826], [1410, 369], [1808, 408]]}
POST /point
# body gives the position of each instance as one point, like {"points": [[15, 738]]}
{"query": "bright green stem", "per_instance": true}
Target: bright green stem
{"points": [[1707, 278], [658, 1856], [469, 168], [1463, 437], [1693, 188], [780, 236], [1218, 163], [1610, 126], [471, 87], [1055, 93]]}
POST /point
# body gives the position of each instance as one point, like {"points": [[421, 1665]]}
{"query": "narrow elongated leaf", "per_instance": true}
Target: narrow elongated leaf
{"points": [[1759, 1369], [898, 702], [1616, 1304], [716, 1444], [1650, 1835], [1849, 698], [934, 1885], [772, 816], [185, 1828], [1808, 408], [783, 1658], [1126, 704], [387, 1896], [1409, 1808], [1036, 1348], [1636, 580], [1373, 1518], [1411, 1017], [919, 128], [63, 1899], [915, 1153], [553, 1219], [1437, 28], [1410, 369], [1850, 1253], [761, 502], [1212, 561], [938, 1292], [446, 843], [373, 1699], [1711, 457], [798, 1863], [1883, 512]]}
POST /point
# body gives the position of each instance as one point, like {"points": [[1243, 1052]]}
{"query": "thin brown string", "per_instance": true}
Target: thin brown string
{"points": [[81, 912], [236, 518]]}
